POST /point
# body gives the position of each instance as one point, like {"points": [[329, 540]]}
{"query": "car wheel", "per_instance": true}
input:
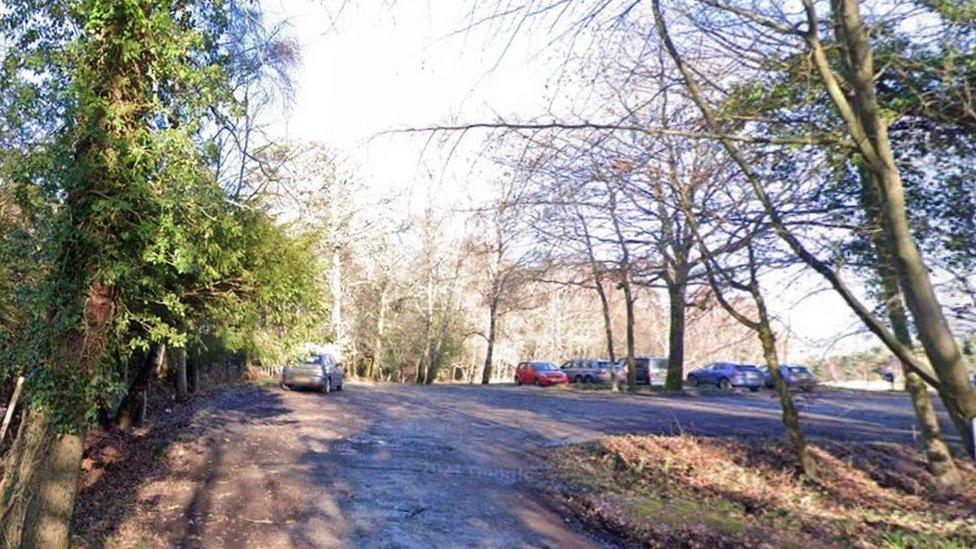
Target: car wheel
{"points": [[588, 379], [327, 388], [518, 382], [695, 382], [724, 384], [339, 388], [754, 389]]}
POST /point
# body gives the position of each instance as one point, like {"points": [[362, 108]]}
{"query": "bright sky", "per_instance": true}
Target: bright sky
{"points": [[382, 68]]}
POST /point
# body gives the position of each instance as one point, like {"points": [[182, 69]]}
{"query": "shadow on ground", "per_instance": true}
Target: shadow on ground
{"points": [[395, 465]]}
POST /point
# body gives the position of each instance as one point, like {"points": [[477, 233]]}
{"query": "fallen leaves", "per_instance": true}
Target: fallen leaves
{"points": [[691, 491]]}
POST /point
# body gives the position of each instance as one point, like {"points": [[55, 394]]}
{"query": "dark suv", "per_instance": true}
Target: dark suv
{"points": [[796, 377]]}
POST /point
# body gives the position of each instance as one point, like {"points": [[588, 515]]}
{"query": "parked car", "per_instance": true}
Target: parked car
{"points": [[319, 371], [587, 370], [648, 370], [539, 372], [796, 377], [725, 375]]}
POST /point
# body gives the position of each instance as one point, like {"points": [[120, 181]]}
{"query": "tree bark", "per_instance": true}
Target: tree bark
{"points": [[193, 369], [677, 300], [39, 486], [631, 344], [791, 417], [132, 409], [865, 120], [598, 272], [182, 381], [937, 453], [492, 322], [607, 329], [424, 364], [937, 340], [377, 363], [421, 369]]}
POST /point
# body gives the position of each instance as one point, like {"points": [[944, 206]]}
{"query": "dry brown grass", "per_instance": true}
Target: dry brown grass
{"points": [[708, 492]]}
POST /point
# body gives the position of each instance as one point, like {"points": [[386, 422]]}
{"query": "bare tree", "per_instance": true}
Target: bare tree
{"points": [[864, 121], [734, 258], [507, 265]]}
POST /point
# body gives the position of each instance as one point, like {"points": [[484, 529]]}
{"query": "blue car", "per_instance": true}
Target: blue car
{"points": [[726, 375]]}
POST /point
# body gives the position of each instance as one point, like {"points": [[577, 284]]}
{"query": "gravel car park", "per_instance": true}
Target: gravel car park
{"points": [[389, 462]]}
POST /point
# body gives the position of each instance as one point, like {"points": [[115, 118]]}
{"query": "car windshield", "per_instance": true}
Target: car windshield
{"points": [[543, 366], [602, 363], [798, 369], [311, 360], [745, 368]]}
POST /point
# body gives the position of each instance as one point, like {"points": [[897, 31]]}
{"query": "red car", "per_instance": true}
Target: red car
{"points": [[537, 372]]}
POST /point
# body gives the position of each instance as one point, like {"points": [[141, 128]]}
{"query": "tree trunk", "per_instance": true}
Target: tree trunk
{"points": [[937, 453], [438, 355], [933, 330], [132, 409], [377, 363], [865, 119], [182, 382], [435, 360], [421, 369], [429, 332], [193, 369], [677, 299], [607, 327], [628, 297], [38, 491], [791, 417], [335, 291], [492, 320]]}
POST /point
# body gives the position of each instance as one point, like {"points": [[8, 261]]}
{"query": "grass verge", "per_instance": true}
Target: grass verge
{"points": [[684, 491]]}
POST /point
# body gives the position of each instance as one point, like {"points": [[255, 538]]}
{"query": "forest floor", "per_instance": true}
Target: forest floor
{"points": [[404, 465], [674, 491]]}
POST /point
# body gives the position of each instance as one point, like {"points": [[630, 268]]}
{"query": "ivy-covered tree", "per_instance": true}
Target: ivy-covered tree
{"points": [[124, 239]]}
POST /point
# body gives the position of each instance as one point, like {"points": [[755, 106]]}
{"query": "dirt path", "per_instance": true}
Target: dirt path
{"points": [[394, 466]]}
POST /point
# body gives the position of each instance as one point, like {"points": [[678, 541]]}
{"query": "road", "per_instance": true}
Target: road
{"points": [[402, 465]]}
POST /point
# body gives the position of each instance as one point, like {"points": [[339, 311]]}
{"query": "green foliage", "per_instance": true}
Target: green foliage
{"points": [[114, 230], [279, 303]]}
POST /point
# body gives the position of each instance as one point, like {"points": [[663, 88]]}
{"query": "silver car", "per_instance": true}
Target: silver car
{"points": [[321, 372], [587, 370]]}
